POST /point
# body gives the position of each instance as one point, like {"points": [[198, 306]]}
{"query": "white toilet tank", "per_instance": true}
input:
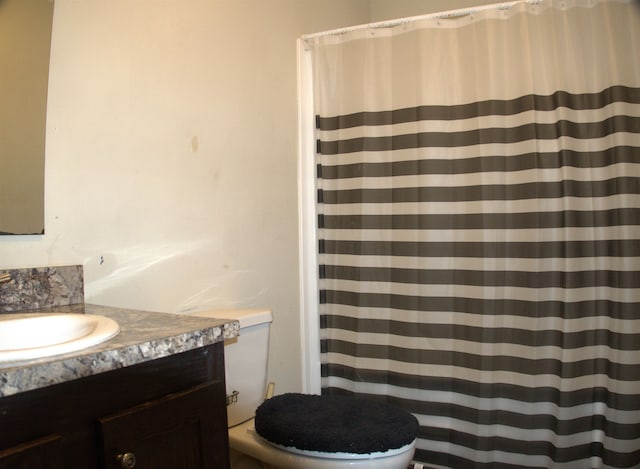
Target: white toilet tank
{"points": [[245, 359]]}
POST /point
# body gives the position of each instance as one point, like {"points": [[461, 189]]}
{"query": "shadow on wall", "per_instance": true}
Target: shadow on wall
{"points": [[130, 268]]}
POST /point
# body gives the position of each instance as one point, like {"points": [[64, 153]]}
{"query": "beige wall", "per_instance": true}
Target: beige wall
{"points": [[389, 9], [171, 154]]}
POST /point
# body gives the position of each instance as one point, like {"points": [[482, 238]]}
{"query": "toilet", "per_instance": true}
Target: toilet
{"points": [[280, 441]]}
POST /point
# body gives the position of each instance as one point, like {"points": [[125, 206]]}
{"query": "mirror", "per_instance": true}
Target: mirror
{"points": [[25, 43]]}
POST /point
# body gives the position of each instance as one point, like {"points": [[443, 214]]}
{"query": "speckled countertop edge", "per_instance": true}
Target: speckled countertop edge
{"points": [[143, 336]]}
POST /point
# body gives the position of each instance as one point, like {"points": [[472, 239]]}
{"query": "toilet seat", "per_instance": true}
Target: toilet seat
{"points": [[245, 442], [340, 427], [325, 455]]}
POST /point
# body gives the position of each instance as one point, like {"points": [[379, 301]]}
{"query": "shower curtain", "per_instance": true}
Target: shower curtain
{"points": [[478, 223]]}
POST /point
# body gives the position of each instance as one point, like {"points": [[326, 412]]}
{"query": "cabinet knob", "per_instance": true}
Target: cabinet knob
{"points": [[127, 460]]}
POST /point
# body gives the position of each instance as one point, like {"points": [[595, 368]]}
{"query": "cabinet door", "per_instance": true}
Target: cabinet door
{"points": [[43, 453], [186, 430]]}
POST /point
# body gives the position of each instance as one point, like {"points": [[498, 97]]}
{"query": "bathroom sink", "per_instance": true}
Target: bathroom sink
{"points": [[45, 335]]}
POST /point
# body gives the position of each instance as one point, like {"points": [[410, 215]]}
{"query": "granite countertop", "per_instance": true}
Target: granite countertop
{"points": [[143, 336]]}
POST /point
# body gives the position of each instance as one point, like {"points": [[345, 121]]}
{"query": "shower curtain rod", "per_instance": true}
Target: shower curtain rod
{"points": [[428, 16]]}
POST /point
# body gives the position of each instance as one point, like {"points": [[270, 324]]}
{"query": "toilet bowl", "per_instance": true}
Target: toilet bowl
{"points": [[246, 373]]}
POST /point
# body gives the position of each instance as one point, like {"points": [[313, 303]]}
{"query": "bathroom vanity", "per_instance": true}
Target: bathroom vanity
{"points": [[153, 397]]}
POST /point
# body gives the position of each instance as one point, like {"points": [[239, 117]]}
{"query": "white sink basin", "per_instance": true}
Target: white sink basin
{"points": [[44, 335]]}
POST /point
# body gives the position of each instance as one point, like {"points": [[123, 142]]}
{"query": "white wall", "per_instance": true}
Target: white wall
{"points": [[171, 155]]}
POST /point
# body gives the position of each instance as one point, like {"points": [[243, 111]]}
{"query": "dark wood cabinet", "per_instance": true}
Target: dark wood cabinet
{"points": [[43, 452], [168, 433], [164, 414]]}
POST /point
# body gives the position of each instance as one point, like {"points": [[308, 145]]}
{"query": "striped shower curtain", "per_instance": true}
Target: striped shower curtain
{"points": [[478, 184]]}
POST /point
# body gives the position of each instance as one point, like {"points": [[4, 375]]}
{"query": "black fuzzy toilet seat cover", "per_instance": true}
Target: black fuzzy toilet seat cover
{"points": [[334, 424]]}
